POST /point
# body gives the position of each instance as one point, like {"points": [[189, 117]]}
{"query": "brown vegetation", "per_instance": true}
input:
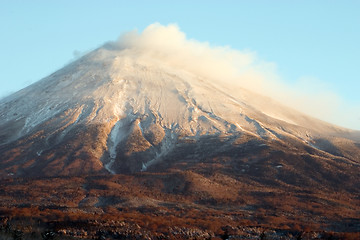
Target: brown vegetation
{"points": [[174, 205]]}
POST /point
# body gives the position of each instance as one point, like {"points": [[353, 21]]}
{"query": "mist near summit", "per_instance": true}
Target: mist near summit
{"points": [[237, 68]]}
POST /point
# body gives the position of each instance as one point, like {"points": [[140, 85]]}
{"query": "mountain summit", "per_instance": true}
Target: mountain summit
{"points": [[124, 109]]}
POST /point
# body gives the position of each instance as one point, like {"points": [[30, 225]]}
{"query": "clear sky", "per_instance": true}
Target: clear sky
{"points": [[313, 41]]}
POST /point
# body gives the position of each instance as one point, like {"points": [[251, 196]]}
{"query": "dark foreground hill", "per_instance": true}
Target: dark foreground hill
{"points": [[192, 203]]}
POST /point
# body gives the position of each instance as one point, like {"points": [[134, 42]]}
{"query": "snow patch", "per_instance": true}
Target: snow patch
{"points": [[117, 134], [141, 129], [313, 146], [167, 145], [144, 167], [259, 129]]}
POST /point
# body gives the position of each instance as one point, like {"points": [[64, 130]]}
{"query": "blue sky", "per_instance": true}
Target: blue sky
{"points": [[311, 41]]}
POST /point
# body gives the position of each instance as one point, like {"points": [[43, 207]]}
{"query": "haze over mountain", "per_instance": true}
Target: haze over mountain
{"points": [[148, 101]]}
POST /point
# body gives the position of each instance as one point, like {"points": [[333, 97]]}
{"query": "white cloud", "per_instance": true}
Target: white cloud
{"points": [[240, 68]]}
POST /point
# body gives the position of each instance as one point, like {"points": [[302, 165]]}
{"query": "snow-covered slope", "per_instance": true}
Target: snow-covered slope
{"points": [[124, 111]]}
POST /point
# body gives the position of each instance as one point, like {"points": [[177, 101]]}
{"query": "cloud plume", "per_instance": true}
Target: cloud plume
{"points": [[240, 69]]}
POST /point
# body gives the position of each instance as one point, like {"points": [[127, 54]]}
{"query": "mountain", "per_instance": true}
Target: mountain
{"points": [[139, 142], [120, 111]]}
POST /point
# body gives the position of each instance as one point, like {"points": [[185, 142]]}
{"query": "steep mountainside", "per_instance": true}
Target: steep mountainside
{"points": [[124, 112]]}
